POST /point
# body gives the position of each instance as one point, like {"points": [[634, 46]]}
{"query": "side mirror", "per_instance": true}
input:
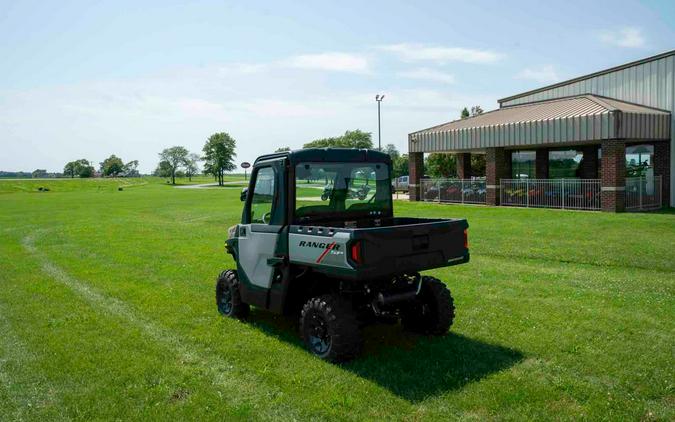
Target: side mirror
{"points": [[244, 193]]}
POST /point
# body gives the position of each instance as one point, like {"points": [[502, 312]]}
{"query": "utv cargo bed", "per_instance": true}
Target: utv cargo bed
{"points": [[397, 245]]}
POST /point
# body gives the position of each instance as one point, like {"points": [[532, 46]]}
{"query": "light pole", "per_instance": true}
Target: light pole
{"points": [[379, 99]]}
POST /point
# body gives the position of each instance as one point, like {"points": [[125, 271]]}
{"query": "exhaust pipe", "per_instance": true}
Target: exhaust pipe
{"points": [[386, 299]]}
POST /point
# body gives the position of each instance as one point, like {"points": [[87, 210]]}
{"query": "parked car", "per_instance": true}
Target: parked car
{"points": [[400, 184]]}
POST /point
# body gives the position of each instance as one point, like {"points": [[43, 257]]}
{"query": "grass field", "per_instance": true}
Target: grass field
{"points": [[107, 312]]}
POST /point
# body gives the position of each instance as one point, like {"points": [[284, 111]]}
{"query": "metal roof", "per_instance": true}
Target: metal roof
{"points": [[573, 119], [589, 76]]}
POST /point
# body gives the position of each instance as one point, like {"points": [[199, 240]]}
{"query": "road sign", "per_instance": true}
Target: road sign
{"points": [[245, 165]]}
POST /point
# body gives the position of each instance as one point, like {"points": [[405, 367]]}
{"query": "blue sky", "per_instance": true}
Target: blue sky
{"points": [[79, 80]]}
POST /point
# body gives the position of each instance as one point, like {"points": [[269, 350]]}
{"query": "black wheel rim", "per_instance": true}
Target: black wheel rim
{"points": [[225, 301], [319, 338]]}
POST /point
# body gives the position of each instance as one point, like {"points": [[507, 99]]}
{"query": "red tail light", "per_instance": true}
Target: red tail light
{"points": [[356, 252], [466, 238]]}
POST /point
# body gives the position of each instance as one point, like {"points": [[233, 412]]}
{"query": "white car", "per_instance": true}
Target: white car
{"points": [[400, 183]]}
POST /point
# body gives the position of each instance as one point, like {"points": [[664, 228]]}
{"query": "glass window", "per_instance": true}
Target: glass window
{"points": [[639, 160], [564, 164], [344, 190], [263, 196], [522, 164]]}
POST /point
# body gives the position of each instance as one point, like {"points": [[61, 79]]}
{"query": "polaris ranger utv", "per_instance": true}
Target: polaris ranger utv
{"points": [[339, 264]]}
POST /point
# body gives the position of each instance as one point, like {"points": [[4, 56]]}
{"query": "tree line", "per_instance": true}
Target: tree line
{"points": [[112, 166], [219, 154], [218, 157]]}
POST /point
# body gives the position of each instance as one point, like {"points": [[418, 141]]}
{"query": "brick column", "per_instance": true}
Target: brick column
{"points": [[613, 176], [415, 171], [662, 168], [497, 167], [541, 164], [464, 165]]}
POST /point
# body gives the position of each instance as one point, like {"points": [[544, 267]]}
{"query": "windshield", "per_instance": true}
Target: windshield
{"points": [[341, 190]]}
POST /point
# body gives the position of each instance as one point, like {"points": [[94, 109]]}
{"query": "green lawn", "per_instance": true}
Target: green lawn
{"points": [[107, 312]]}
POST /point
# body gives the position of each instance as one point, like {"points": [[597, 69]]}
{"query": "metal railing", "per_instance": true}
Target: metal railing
{"points": [[461, 191], [578, 194], [643, 193]]}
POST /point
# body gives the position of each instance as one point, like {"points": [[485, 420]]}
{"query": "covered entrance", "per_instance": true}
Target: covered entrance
{"points": [[581, 152]]}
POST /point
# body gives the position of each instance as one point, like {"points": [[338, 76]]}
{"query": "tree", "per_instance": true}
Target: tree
{"points": [[356, 139], [81, 168], [39, 173], [112, 166], [191, 166], [175, 157], [282, 149], [219, 155], [392, 151], [351, 139], [163, 169], [441, 165], [131, 169], [465, 113], [475, 110], [400, 166], [86, 169], [70, 169]]}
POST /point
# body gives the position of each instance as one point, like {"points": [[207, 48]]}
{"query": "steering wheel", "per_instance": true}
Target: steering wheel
{"points": [[266, 217]]}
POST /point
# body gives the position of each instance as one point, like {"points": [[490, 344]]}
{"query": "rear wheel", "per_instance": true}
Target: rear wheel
{"points": [[433, 311], [330, 329], [228, 299]]}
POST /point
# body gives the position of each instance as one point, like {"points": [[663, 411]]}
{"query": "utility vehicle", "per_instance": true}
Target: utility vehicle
{"points": [[340, 264]]}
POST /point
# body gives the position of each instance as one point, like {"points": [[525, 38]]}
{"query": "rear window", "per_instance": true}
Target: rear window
{"points": [[341, 190]]}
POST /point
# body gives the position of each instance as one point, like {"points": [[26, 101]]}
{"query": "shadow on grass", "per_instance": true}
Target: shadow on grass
{"points": [[414, 367]]}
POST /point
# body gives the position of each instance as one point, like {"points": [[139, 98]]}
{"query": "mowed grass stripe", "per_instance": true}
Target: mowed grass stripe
{"points": [[243, 388]]}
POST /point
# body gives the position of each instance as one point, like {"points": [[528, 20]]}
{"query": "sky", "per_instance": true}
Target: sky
{"points": [[91, 79]]}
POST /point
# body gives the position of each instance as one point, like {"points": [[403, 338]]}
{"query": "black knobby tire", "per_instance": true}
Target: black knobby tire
{"points": [[330, 329], [433, 311], [228, 298]]}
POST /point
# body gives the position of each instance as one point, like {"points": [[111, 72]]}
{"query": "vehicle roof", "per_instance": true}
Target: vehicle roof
{"points": [[340, 155]]}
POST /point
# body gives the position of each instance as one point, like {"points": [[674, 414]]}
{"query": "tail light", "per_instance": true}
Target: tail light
{"points": [[355, 252], [466, 238]]}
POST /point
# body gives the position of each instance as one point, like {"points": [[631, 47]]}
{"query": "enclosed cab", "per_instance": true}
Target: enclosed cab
{"points": [[318, 237]]}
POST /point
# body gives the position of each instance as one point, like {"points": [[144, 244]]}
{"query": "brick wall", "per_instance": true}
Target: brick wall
{"points": [[613, 176], [497, 167], [662, 168], [416, 171], [464, 166]]}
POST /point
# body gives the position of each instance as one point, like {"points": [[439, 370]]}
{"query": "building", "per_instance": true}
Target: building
{"points": [[612, 124]]}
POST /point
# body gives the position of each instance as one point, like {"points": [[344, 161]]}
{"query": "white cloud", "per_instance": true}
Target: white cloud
{"points": [[337, 62], [543, 74], [421, 52], [628, 37], [427, 74]]}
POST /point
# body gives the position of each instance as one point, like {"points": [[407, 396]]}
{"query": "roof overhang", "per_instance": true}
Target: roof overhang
{"points": [[563, 121]]}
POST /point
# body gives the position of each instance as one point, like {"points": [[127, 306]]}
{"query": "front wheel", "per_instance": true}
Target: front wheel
{"points": [[228, 299], [330, 329], [433, 311]]}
